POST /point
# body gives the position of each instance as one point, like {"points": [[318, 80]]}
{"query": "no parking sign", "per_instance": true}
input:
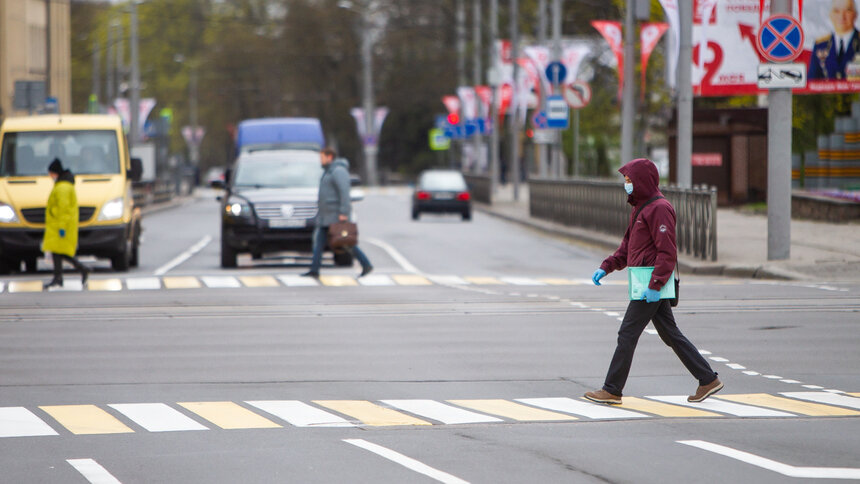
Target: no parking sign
{"points": [[780, 38]]}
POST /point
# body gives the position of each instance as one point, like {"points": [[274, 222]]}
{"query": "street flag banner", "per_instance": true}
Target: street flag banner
{"points": [[468, 102], [611, 31], [378, 118], [649, 35], [572, 58], [358, 114], [485, 95], [671, 9], [452, 104]]}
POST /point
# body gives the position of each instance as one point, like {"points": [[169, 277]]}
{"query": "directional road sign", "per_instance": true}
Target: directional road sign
{"points": [[557, 112], [556, 72], [577, 94], [780, 38]]}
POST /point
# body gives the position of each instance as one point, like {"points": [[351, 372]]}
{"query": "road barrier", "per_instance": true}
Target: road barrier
{"points": [[601, 205], [479, 187]]}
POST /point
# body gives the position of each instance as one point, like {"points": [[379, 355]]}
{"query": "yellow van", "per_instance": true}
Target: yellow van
{"points": [[94, 148]]}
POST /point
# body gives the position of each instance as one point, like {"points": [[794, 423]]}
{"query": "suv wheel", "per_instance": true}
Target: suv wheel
{"points": [[228, 255]]}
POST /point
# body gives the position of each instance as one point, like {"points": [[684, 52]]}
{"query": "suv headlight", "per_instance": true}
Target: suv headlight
{"points": [[112, 210], [7, 214], [237, 209]]}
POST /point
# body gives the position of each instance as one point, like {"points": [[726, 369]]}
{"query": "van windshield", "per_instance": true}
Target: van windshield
{"points": [[278, 171], [82, 152]]}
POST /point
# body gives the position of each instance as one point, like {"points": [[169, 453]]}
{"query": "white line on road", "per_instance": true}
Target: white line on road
{"points": [[406, 462], [93, 471], [394, 254], [184, 256], [772, 465]]}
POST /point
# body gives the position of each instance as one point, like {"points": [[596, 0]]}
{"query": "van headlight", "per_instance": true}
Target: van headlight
{"points": [[237, 209], [112, 210], [7, 214]]}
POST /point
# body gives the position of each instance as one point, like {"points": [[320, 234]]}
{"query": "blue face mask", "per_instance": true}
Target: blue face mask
{"points": [[628, 187]]}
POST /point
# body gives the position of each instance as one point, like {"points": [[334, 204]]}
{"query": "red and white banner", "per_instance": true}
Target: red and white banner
{"points": [[485, 95], [468, 102], [452, 104], [611, 31], [649, 35]]}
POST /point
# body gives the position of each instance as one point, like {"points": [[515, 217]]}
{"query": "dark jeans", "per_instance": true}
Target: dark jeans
{"points": [[635, 319], [320, 238], [58, 265]]}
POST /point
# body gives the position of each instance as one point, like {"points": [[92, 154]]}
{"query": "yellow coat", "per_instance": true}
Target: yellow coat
{"points": [[61, 213]]}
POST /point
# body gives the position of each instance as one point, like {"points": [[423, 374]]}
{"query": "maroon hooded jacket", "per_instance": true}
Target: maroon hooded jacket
{"points": [[651, 240]]}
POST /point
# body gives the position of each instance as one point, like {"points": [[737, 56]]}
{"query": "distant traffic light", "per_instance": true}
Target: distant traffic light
{"points": [[453, 119]]}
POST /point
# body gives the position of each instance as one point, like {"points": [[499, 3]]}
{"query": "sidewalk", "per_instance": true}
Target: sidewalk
{"points": [[819, 251]]}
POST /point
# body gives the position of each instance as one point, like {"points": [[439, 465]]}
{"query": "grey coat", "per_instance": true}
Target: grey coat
{"points": [[334, 198]]}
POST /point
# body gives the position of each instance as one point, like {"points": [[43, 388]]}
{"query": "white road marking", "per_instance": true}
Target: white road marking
{"points": [[793, 382], [184, 256], [70, 284], [735, 366], [720, 406], [221, 281], [157, 417], [93, 471], [522, 281], [590, 410], [775, 466], [718, 359], [296, 280], [406, 462], [449, 280], [751, 373], [826, 398], [376, 280], [20, 422], [813, 387], [441, 412], [300, 414], [394, 254], [704, 352], [137, 283], [2, 286]]}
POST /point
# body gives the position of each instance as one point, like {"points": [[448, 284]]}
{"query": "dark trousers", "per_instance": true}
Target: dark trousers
{"points": [[320, 238], [58, 265], [635, 319]]}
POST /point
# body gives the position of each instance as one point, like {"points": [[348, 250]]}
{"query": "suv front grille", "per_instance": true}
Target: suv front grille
{"points": [[37, 215], [302, 210]]}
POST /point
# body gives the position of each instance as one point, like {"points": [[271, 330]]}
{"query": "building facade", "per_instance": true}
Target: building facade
{"points": [[35, 46]]}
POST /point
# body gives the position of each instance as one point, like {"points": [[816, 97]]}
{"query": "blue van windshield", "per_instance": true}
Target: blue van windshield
{"points": [[83, 152]]}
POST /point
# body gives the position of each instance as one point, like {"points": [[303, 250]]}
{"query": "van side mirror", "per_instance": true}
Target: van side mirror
{"points": [[136, 171]]}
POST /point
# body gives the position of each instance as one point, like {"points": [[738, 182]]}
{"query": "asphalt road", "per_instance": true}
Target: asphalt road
{"points": [[463, 358]]}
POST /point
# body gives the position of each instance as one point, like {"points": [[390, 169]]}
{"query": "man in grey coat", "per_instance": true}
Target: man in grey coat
{"points": [[334, 204]]}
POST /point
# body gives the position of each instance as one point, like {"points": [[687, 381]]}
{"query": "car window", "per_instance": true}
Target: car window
{"points": [[82, 152], [442, 180], [278, 172]]}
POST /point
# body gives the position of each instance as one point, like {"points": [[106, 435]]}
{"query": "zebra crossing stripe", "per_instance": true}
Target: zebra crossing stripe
{"points": [[512, 410], [826, 398], [522, 281], [484, 281], [104, 285], [376, 280], [789, 405], [576, 407], [181, 282], [439, 411], [411, 280], [157, 417], [722, 407], [300, 414], [338, 281], [2, 286], [554, 281], [86, 419], [229, 415], [295, 280], [259, 281], [370, 414], [20, 422], [662, 409], [143, 283], [25, 286], [221, 282], [449, 280]]}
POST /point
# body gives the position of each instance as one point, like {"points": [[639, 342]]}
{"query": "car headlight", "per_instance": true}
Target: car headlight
{"points": [[7, 214], [238, 209], [112, 210]]}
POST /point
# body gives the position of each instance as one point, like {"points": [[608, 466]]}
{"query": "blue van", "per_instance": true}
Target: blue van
{"points": [[278, 134]]}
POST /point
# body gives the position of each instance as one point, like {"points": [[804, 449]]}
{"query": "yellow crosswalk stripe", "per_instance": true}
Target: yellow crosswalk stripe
{"points": [[512, 410], [662, 409], [855, 394], [229, 415], [411, 280], [487, 281], [86, 419], [338, 281], [370, 413], [186, 282], [104, 285], [788, 404], [259, 281], [25, 286], [554, 281]]}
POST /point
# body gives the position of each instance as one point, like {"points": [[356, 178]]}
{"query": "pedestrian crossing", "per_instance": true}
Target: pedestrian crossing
{"points": [[73, 284], [190, 416]]}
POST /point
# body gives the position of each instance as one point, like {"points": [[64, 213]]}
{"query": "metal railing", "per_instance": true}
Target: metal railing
{"points": [[601, 205], [479, 187]]}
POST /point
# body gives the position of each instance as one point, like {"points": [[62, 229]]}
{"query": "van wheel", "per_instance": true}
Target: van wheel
{"points": [[31, 264], [134, 258], [120, 260], [228, 256], [343, 259]]}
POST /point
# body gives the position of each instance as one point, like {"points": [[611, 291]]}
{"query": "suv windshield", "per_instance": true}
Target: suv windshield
{"points": [[82, 152], [294, 170], [442, 180]]}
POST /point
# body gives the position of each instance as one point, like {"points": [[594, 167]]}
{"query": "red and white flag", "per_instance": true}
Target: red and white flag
{"points": [[611, 31], [485, 95], [452, 103], [649, 35]]}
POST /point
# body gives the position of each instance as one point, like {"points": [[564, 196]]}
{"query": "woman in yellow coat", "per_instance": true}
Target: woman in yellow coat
{"points": [[61, 224]]}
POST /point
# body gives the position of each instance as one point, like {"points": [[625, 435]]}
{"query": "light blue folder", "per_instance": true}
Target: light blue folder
{"points": [[638, 279]]}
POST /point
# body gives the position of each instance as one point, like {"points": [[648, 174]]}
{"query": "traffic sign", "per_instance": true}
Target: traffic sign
{"points": [[556, 72], [557, 112], [773, 76], [780, 38], [577, 94], [438, 140], [539, 120]]}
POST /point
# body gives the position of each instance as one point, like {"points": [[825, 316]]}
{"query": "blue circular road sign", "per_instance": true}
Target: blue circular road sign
{"points": [[556, 72], [780, 38]]}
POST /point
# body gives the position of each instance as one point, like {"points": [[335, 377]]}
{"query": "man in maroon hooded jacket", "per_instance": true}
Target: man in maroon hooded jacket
{"points": [[649, 241]]}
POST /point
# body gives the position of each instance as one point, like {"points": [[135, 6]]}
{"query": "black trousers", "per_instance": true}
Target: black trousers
{"points": [[58, 265], [638, 314]]}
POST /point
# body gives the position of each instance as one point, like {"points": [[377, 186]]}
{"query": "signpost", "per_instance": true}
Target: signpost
{"points": [[577, 94]]}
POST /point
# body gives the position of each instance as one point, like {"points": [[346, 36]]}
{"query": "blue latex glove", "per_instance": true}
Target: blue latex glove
{"points": [[62, 233], [652, 295], [598, 275]]}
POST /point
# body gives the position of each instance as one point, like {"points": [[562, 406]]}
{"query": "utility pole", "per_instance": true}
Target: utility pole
{"points": [[476, 71], [134, 84], [494, 110], [110, 88], [514, 163], [541, 40], [370, 144], [628, 93], [779, 163], [684, 124], [97, 69], [195, 144], [557, 152]]}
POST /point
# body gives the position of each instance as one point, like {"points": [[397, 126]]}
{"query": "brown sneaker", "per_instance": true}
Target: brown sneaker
{"points": [[602, 396], [705, 391]]}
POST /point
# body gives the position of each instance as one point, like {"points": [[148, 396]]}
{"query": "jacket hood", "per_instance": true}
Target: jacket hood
{"points": [[67, 176], [643, 173], [340, 162]]}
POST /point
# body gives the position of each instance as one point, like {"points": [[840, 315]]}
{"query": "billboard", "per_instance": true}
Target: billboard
{"points": [[725, 57]]}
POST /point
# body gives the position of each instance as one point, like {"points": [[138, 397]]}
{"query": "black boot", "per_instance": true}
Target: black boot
{"points": [[54, 283], [85, 274]]}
